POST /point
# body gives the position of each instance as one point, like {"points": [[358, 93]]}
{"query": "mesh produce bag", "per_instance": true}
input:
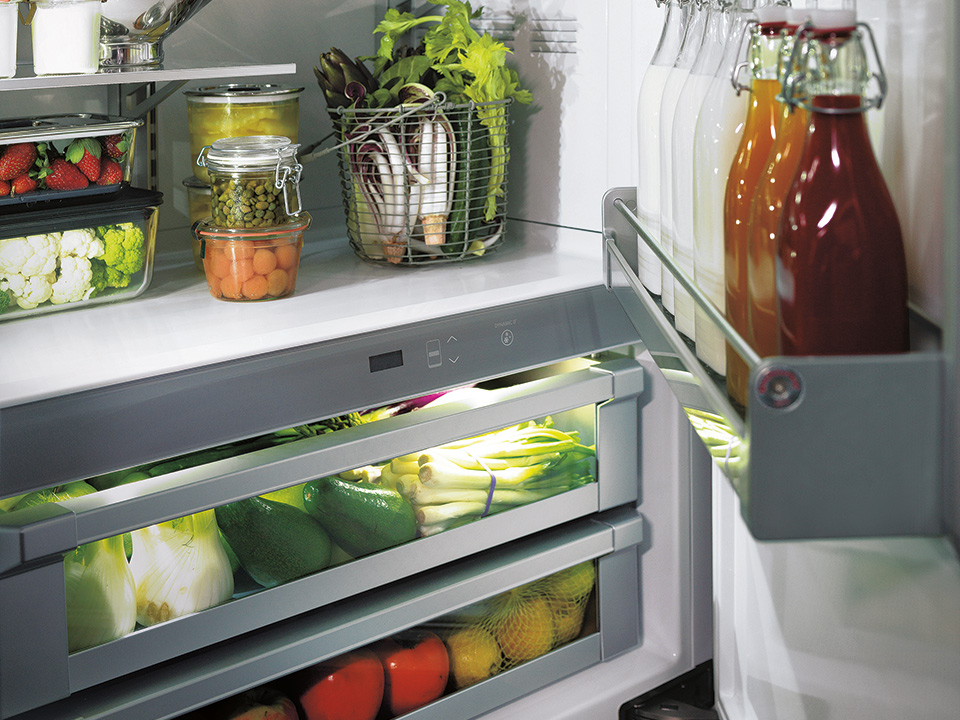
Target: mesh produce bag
{"points": [[516, 626]]}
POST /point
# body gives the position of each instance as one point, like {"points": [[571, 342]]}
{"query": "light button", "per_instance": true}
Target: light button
{"points": [[434, 358]]}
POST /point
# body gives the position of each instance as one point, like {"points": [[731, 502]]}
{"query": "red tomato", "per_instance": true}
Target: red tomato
{"points": [[416, 667], [347, 687]]}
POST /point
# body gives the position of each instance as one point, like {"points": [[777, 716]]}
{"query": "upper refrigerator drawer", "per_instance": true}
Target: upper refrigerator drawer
{"points": [[310, 522], [826, 446]]}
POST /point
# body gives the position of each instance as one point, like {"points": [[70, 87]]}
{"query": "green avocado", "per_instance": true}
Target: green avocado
{"points": [[274, 542], [361, 517]]}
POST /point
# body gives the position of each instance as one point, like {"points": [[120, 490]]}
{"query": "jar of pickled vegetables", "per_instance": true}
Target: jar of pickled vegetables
{"points": [[250, 265], [254, 181], [237, 110]]}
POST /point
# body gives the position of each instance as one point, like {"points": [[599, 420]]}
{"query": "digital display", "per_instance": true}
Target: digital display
{"points": [[385, 361]]}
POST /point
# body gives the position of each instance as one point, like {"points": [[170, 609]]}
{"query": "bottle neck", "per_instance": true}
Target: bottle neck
{"points": [[674, 29], [837, 65], [765, 45]]}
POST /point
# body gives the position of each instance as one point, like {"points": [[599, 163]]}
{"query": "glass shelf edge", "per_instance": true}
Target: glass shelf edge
{"points": [[133, 77]]}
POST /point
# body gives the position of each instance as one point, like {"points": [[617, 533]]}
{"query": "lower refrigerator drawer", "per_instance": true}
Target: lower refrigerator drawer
{"points": [[192, 686], [41, 662]]}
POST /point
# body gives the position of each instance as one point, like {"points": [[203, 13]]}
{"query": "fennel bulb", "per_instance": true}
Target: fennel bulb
{"points": [[179, 567], [101, 599]]}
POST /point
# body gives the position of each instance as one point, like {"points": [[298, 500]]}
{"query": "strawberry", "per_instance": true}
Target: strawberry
{"points": [[4, 188], [63, 175], [115, 145], [23, 184], [17, 159], [85, 154], [110, 172]]}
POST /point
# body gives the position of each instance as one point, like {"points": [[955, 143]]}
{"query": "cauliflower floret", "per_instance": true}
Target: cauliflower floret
{"points": [[124, 247], [81, 243], [28, 290], [74, 281], [32, 255]]}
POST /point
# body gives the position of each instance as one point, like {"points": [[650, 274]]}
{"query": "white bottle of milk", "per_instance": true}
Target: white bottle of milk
{"points": [[717, 21], [718, 130], [648, 131], [689, 49]]}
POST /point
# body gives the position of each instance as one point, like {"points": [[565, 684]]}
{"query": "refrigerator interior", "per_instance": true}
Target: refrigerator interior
{"points": [[584, 64]]}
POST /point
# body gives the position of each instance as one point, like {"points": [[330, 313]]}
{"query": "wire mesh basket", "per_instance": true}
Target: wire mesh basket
{"points": [[426, 183]]}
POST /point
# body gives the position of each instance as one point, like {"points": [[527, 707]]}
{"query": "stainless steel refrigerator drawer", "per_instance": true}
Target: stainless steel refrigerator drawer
{"points": [[35, 665], [193, 682]]}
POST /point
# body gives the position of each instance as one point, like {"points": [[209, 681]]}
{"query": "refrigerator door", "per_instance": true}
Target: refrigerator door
{"points": [[833, 628]]}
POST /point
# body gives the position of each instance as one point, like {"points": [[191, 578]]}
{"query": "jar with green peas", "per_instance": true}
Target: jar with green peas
{"points": [[254, 180]]}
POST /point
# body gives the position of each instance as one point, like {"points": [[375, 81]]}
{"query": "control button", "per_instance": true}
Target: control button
{"points": [[452, 354], [434, 358], [506, 337]]}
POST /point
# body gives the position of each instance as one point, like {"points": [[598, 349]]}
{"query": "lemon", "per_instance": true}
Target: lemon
{"points": [[574, 583], [474, 656], [567, 619], [527, 631]]}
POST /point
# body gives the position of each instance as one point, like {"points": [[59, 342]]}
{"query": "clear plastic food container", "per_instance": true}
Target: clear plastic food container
{"points": [[246, 265], [223, 111], [77, 254], [254, 181], [56, 157]]}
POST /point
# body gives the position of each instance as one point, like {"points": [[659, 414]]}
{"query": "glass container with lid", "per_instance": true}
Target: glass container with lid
{"points": [[237, 110], [8, 37], [66, 37], [251, 264], [254, 180]]}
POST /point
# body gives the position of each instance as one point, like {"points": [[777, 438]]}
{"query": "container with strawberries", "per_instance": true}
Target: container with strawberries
{"points": [[56, 157], [73, 231]]}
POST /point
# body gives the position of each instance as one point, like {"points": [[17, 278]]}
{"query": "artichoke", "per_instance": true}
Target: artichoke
{"points": [[344, 82]]}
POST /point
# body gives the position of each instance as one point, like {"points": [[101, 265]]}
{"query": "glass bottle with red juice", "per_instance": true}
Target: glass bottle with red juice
{"points": [[841, 268]]}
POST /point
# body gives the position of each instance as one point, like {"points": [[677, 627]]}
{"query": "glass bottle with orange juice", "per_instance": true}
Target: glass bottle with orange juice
{"points": [[759, 134]]}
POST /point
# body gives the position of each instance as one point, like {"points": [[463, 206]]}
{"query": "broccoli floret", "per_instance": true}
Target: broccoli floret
{"points": [[105, 277], [124, 248], [4, 301]]}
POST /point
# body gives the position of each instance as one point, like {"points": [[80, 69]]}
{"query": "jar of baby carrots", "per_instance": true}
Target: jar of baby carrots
{"points": [[251, 264]]}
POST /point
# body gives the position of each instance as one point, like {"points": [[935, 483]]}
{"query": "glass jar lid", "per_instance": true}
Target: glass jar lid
{"points": [[206, 229], [243, 93], [248, 153]]}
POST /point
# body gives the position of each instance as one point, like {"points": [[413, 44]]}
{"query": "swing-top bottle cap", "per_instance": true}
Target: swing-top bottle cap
{"points": [[798, 16], [831, 19], [771, 14]]}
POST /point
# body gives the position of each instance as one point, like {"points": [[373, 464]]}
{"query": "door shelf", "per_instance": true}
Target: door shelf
{"points": [[602, 402], [193, 681], [827, 447]]}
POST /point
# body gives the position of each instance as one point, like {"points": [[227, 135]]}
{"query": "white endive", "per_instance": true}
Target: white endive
{"points": [[101, 602], [179, 567]]}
